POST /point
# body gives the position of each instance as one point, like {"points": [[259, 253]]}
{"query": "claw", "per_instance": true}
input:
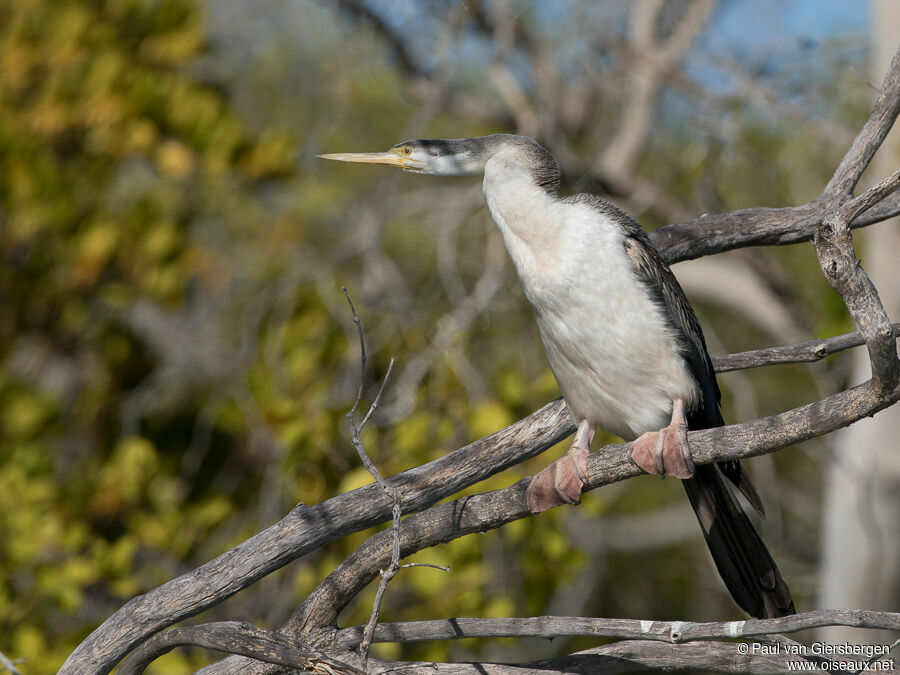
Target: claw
{"points": [[559, 483], [562, 481], [665, 452]]}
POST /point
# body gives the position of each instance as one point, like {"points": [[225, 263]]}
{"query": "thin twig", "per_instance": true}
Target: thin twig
{"points": [[394, 494], [865, 79], [443, 568], [9, 664], [386, 576], [390, 491], [362, 355]]}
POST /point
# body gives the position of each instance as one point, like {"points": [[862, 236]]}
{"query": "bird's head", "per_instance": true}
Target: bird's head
{"points": [[441, 157], [466, 157]]}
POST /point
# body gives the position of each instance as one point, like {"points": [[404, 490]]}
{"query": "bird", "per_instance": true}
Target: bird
{"points": [[621, 338]]}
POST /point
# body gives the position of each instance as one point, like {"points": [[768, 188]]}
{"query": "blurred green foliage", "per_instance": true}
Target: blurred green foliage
{"points": [[176, 357]]}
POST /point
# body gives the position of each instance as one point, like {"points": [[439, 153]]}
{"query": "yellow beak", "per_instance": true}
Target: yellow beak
{"points": [[389, 158]]}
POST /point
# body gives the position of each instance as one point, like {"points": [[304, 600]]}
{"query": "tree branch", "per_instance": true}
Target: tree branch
{"points": [[834, 249], [395, 496], [490, 510], [805, 352], [304, 528], [236, 637], [577, 626], [307, 528], [722, 232], [279, 649], [627, 656], [794, 224], [9, 664]]}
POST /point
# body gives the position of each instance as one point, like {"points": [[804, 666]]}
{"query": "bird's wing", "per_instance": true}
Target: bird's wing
{"points": [[655, 274], [668, 295], [664, 289]]}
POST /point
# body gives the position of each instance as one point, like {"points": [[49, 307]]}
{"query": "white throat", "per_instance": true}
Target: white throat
{"points": [[522, 210]]}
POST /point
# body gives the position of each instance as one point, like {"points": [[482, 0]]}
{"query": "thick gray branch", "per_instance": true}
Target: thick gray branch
{"points": [[665, 631], [834, 249], [485, 511], [753, 227], [640, 651], [627, 656], [237, 638]]}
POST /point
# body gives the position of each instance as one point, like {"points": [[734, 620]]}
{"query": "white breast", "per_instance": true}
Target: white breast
{"points": [[607, 342]]}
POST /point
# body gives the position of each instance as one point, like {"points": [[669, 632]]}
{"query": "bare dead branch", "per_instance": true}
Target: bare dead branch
{"points": [[240, 638], [790, 225], [307, 528], [840, 266], [484, 511], [392, 493], [805, 352], [362, 358], [754, 227], [627, 656], [9, 664], [560, 626], [868, 199], [302, 529], [657, 645]]}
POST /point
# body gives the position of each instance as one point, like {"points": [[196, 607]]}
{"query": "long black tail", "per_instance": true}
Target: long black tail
{"points": [[743, 561]]}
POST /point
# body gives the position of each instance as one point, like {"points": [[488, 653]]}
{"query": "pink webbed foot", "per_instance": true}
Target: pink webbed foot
{"points": [[665, 452], [559, 483]]}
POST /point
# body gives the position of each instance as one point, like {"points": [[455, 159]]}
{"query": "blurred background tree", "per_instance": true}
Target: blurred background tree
{"points": [[175, 353]]}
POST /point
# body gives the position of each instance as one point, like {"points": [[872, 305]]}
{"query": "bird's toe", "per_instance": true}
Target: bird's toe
{"points": [[559, 483], [665, 452]]}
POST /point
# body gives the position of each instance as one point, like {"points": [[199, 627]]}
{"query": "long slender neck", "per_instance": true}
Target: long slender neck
{"points": [[522, 208]]}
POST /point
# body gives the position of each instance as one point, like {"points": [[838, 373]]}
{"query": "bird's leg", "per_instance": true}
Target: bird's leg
{"points": [[561, 481], [666, 452]]}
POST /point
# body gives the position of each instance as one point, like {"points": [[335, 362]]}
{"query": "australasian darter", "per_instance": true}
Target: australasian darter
{"points": [[622, 340]]}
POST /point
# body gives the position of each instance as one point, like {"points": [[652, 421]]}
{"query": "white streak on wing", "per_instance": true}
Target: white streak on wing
{"points": [[646, 626]]}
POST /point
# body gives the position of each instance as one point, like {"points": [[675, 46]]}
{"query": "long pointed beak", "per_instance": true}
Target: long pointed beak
{"points": [[389, 158]]}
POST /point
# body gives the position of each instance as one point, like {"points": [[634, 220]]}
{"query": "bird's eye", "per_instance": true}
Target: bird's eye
{"points": [[407, 150]]}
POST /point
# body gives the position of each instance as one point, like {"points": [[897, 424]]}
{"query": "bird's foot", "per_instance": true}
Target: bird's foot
{"points": [[560, 482], [664, 452]]}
